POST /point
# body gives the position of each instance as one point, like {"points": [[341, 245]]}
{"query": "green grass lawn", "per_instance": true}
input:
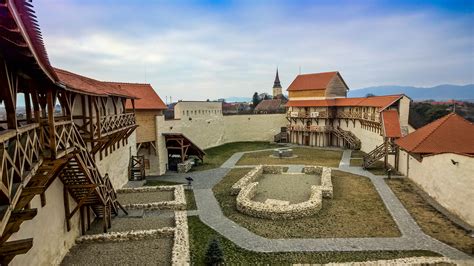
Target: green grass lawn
{"points": [[216, 156], [431, 221], [190, 201], [200, 235], [305, 156], [355, 211]]}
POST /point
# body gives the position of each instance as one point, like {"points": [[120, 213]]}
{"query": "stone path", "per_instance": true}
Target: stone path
{"points": [[211, 214]]}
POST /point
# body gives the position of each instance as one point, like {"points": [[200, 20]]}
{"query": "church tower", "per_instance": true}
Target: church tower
{"points": [[277, 86]]}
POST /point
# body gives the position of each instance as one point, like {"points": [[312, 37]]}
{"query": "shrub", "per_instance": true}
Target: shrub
{"points": [[214, 254]]}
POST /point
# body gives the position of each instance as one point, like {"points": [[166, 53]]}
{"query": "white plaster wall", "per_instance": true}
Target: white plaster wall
{"points": [[184, 109], [450, 185], [369, 139], [51, 241], [116, 163], [207, 132]]}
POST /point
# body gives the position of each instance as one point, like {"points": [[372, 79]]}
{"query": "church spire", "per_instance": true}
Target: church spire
{"points": [[276, 83]]}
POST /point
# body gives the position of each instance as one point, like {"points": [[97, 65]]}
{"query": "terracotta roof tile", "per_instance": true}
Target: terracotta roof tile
{"points": [[391, 124], [91, 86], [147, 98], [316, 81], [270, 105], [449, 134], [375, 101]]}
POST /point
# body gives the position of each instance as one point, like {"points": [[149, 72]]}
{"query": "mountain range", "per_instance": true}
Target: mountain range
{"points": [[440, 92]]}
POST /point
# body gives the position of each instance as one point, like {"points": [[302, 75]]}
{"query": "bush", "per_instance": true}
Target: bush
{"points": [[214, 254]]}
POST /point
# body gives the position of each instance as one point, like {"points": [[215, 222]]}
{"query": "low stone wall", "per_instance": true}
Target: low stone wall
{"points": [[246, 189], [180, 252], [326, 182], [250, 177], [178, 203], [185, 166], [180, 255], [246, 205]]}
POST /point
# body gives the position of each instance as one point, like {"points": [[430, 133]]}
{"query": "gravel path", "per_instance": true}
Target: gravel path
{"points": [[144, 197], [294, 188], [150, 251], [121, 224]]}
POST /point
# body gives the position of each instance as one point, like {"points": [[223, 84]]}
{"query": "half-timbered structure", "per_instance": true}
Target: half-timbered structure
{"points": [[320, 114], [52, 161]]}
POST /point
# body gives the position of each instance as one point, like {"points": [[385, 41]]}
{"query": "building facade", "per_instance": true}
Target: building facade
{"points": [[320, 114]]}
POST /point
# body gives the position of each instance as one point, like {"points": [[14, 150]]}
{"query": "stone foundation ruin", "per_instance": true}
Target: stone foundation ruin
{"points": [[275, 209]]}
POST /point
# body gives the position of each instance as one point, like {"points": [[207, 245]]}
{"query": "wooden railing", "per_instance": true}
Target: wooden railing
{"points": [[357, 115], [319, 114], [313, 128], [21, 155], [112, 123]]}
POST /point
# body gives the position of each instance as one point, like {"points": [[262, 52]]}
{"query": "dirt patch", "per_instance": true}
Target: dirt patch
{"points": [[152, 251], [305, 156], [356, 210], [431, 221], [294, 188], [145, 197], [121, 224]]}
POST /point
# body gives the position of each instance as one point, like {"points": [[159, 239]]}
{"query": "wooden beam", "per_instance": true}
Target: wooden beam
{"points": [[23, 215]]}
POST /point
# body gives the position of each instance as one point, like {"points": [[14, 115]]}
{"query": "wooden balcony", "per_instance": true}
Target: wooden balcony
{"points": [[357, 115], [21, 155], [310, 128], [310, 115]]}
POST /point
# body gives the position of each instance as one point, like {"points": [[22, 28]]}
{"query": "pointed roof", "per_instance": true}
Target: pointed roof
{"points": [[276, 83], [315, 81], [449, 134]]}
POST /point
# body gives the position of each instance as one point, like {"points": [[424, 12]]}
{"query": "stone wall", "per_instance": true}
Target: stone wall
{"points": [[246, 189], [277, 211], [185, 166], [451, 185], [178, 202]]}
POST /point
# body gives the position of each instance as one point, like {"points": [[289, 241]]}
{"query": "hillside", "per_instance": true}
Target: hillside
{"points": [[441, 92]]}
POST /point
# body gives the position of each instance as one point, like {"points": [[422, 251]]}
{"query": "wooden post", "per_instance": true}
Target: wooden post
{"points": [[28, 107], [82, 216], [66, 208], [52, 128], [9, 89]]}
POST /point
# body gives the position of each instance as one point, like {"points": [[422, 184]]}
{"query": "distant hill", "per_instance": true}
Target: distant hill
{"points": [[238, 99], [441, 92]]}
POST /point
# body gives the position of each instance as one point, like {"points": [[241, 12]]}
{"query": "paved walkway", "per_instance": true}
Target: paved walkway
{"points": [[211, 214]]}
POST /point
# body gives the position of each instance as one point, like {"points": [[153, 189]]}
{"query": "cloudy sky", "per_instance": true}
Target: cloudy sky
{"points": [[195, 50]]}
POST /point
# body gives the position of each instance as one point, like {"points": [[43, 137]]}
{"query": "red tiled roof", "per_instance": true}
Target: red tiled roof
{"points": [[391, 124], [375, 101], [18, 18], [316, 81], [449, 134], [148, 99], [87, 85], [270, 105]]}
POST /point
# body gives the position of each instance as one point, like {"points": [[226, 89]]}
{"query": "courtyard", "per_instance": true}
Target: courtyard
{"points": [[363, 221]]}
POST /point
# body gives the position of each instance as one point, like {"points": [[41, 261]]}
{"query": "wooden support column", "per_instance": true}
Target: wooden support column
{"points": [[66, 208], [28, 107], [52, 129], [8, 88]]}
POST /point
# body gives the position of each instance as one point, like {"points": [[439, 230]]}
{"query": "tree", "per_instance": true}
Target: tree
{"points": [[214, 253], [256, 99], [369, 95]]}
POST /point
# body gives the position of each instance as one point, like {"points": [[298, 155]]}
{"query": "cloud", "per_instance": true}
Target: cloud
{"points": [[200, 51]]}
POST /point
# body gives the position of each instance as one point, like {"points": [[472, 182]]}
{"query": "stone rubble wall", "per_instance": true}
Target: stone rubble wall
{"points": [[186, 166], [246, 205], [178, 203], [127, 235], [180, 254], [250, 177], [272, 169], [326, 182]]}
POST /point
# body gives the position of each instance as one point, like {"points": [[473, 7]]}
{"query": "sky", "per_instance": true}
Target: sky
{"points": [[198, 50]]}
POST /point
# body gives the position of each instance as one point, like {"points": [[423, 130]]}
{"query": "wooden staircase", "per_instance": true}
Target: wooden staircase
{"points": [[78, 172], [281, 137], [378, 153], [350, 140], [137, 168]]}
